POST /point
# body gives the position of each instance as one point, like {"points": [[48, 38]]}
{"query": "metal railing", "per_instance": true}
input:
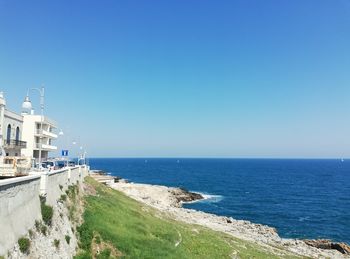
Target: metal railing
{"points": [[14, 143]]}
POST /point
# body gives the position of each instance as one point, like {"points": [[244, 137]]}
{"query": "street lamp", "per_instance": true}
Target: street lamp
{"points": [[81, 153], [28, 105]]}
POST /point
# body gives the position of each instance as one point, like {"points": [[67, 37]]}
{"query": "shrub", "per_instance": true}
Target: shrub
{"points": [[63, 197], [24, 244], [37, 225], [43, 230], [61, 187], [30, 232], [67, 239], [56, 243], [72, 191], [46, 213], [85, 235]]}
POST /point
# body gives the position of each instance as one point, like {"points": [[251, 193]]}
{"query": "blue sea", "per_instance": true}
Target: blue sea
{"points": [[300, 198]]}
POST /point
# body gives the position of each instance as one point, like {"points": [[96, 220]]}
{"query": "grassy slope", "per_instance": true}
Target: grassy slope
{"points": [[138, 231]]}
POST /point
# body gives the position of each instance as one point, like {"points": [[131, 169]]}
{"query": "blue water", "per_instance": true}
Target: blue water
{"points": [[300, 198]]}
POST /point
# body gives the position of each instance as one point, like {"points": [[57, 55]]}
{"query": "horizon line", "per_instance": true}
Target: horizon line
{"points": [[267, 158]]}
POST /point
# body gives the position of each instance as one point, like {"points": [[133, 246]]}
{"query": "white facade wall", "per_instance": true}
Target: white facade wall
{"points": [[32, 133], [20, 203], [15, 121], [28, 135]]}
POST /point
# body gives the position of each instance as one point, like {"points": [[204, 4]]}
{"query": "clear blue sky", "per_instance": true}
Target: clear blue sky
{"points": [[185, 78]]}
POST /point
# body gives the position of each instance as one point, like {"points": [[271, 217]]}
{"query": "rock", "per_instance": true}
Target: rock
{"points": [[328, 244], [342, 247], [183, 195], [117, 179], [100, 172]]}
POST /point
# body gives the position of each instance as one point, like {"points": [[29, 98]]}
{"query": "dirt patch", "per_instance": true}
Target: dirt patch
{"points": [[89, 190], [98, 246]]}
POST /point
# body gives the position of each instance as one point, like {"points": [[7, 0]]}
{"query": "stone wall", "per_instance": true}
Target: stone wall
{"points": [[20, 203]]}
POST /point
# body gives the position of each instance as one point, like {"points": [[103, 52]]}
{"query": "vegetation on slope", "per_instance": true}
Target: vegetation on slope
{"points": [[118, 226]]}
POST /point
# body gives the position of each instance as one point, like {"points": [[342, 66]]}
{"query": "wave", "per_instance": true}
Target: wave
{"points": [[301, 219], [211, 198]]}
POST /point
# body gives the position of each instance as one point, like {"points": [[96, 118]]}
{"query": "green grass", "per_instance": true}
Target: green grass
{"points": [[137, 232], [67, 239], [47, 213], [24, 245]]}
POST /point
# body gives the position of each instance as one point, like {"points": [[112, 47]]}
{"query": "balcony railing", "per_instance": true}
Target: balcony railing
{"points": [[13, 143]]}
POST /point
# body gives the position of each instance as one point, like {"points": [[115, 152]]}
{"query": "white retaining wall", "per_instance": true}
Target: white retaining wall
{"points": [[20, 203]]}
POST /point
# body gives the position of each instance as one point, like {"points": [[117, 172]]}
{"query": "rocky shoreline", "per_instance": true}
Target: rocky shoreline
{"points": [[169, 200]]}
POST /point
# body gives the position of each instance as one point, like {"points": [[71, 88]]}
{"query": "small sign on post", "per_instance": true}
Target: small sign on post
{"points": [[64, 152]]}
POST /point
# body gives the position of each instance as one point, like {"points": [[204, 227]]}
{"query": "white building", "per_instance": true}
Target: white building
{"points": [[20, 134], [32, 134], [11, 127]]}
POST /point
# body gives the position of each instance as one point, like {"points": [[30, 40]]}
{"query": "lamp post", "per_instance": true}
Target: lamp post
{"points": [[61, 133], [81, 153], [28, 105]]}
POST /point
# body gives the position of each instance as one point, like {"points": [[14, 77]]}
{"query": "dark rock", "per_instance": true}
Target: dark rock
{"points": [[328, 244], [341, 247], [183, 195], [117, 179], [228, 221]]}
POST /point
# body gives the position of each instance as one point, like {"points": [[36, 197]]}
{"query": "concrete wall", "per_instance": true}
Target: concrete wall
{"points": [[64, 178], [20, 203], [19, 208]]}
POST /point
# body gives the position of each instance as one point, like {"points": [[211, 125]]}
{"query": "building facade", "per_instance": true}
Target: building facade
{"points": [[22, 135], [35, 136], [11, 127]]}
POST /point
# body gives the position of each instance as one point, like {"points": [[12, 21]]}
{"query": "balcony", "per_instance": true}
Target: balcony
{"points": [[45, 147], [46, 133], [13, 143]]}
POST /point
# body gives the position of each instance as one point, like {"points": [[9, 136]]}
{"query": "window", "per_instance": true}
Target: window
{"points": [[17, 134], [8, 138]]}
